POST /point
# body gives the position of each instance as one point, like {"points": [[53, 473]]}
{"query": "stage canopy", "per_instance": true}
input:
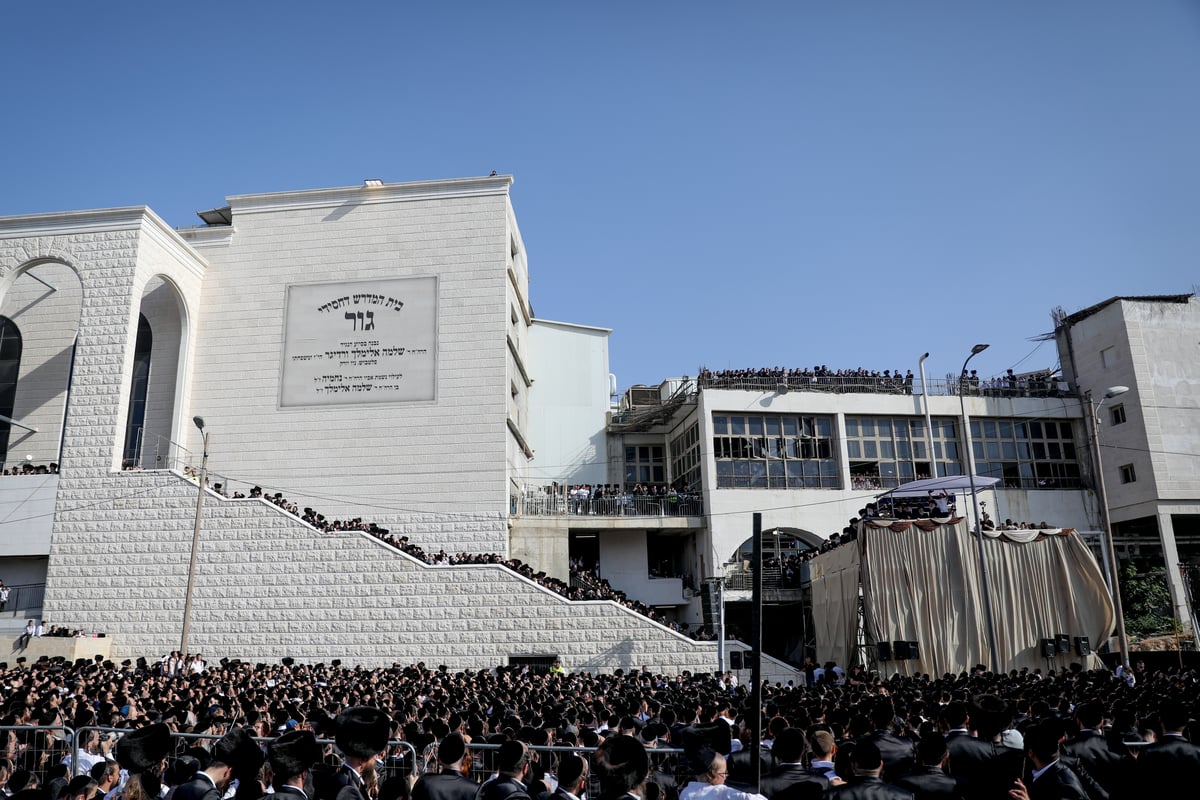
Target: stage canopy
{"points": [[950, 484], [919, 581]]}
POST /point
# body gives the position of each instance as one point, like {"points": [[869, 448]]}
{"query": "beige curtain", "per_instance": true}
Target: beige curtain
{"points": [[835, 593], [925, 586]]}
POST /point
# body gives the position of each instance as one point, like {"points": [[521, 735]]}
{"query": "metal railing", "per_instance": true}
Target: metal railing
{"points": [[868, 384], [662, 759], [549, 504], [25, 597], [401, 757]]}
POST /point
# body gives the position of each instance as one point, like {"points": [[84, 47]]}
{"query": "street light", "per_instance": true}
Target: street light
{"points": [[1102, 498], [970, 464], [187, 597], [928, 419]]}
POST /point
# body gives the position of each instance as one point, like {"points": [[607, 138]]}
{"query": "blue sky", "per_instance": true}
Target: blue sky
{"points": [[727, 184]]}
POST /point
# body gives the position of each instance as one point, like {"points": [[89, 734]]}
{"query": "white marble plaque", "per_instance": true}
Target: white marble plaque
{"points": [[360, 342]]}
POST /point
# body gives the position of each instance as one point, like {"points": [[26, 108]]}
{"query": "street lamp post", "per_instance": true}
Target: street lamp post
{"points": [[969, 460], [187, 597], [1102, 499], [928, 419]]}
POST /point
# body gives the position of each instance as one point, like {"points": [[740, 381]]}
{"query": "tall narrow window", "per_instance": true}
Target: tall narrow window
{"points": [[10, 370], [136, 421]]}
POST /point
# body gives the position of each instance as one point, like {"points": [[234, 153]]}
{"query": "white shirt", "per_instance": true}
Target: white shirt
{"points": [[698, 790]]}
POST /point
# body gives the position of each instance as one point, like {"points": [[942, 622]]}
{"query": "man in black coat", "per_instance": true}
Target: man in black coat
{"points": [[967, 756], [896, 751], [291, 757], [867, 783], [1094, 751], [1172, 760], [1049, 778], [361, 733], [929, 780], [791, 776], [449, 783], [512, 770], [235, 755], [572, 778]]}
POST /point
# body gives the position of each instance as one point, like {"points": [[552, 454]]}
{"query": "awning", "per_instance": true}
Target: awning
{"points": [[950, 484]]}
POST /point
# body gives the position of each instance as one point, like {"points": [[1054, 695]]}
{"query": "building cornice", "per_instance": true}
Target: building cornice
{"points": [[496, 186], [66, 223]]}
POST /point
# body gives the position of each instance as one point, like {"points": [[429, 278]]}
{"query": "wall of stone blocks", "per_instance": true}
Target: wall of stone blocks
{"points": [[419, 467], [269, 586]]}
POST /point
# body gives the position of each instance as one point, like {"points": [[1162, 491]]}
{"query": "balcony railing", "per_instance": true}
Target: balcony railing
{"points": [[993, 387], [548, 504]]}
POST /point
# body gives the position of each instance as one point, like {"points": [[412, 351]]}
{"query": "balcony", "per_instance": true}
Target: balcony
{"points": [[561, 504]]}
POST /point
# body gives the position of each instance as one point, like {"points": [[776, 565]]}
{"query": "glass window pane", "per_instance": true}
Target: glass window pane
{"points": [[919, 450], [903, 450], [721, 424], [1039, 451], [870, 449], [1006, 430], [867, 426], [756, 426], [884, 428], [917, 428], [976, 431], [993, 450], [951, 449], [758, 475], [989, 428], [851, 426], [1022, 430], [824, 426], [737, 425], [656, 452], [789, 426], [773, 425], [1053, 450], [853, 449], [1035, 430], [1009, 449], [631, 454], [887, 449]]}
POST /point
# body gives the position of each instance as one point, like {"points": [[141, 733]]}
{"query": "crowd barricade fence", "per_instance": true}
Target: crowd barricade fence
{"points": [[38, 747], [401, 756], [483, 761]]}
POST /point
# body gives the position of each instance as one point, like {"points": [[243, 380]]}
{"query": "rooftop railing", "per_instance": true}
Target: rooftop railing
{"points": [[560, 504], [842, 384]]}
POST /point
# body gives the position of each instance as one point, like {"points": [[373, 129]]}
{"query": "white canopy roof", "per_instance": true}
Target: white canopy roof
{"points": [[948, 484]]}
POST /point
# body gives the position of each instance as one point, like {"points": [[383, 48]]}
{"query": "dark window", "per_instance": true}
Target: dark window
{"points": [[1117, 414], [136, 421], [10, 371], [1127, 474]]}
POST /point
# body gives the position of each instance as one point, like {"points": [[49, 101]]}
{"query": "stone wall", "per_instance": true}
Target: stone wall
{"points": [[269, 586]]}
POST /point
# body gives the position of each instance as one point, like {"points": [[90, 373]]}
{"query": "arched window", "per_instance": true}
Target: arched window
{"points": [[137, 393], [10, 370]]}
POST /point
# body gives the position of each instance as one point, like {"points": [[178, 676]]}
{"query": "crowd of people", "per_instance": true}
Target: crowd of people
{"points": [[840, 734], [638, 499], [820, 378], [29, 468]]}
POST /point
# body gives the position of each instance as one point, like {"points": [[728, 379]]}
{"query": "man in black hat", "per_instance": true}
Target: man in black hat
{"points": [[362, 736], [292, 756], [572, 778], [512, 769], [143, 754], [622, 766], [448, 783], [791, 774], [867, 783], [235, 755]]}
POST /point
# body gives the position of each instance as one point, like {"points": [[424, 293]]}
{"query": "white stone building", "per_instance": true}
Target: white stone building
{"points": [[362, 352], [1150, 435]]}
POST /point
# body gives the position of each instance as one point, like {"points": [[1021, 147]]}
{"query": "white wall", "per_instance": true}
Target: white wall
{"points": [[568, 403], [26, 514], [624, 564], [433, 470]]}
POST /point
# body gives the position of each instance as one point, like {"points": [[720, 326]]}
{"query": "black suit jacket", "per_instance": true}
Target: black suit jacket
{"points": [[897, 752], [444, 786], [197, 789], [1056, 783], [869, 789], [931, 783], [1170, 760], [793, 782], [1094, 752]]}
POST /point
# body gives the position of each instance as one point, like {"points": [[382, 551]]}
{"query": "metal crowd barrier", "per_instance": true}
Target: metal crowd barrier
{"points": [[401, 756], [483, 767], [38, 747]]}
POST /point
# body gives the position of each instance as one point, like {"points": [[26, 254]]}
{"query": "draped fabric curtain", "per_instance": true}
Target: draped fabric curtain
{"points": [[835, 593], [924, 586]]}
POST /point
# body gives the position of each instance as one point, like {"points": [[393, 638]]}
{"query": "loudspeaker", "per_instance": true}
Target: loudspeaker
{"points": [[914, 650], [1049, 649], [1063, 642], [900, 650], [884, 651], [735, 659], [1083, 645]]}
